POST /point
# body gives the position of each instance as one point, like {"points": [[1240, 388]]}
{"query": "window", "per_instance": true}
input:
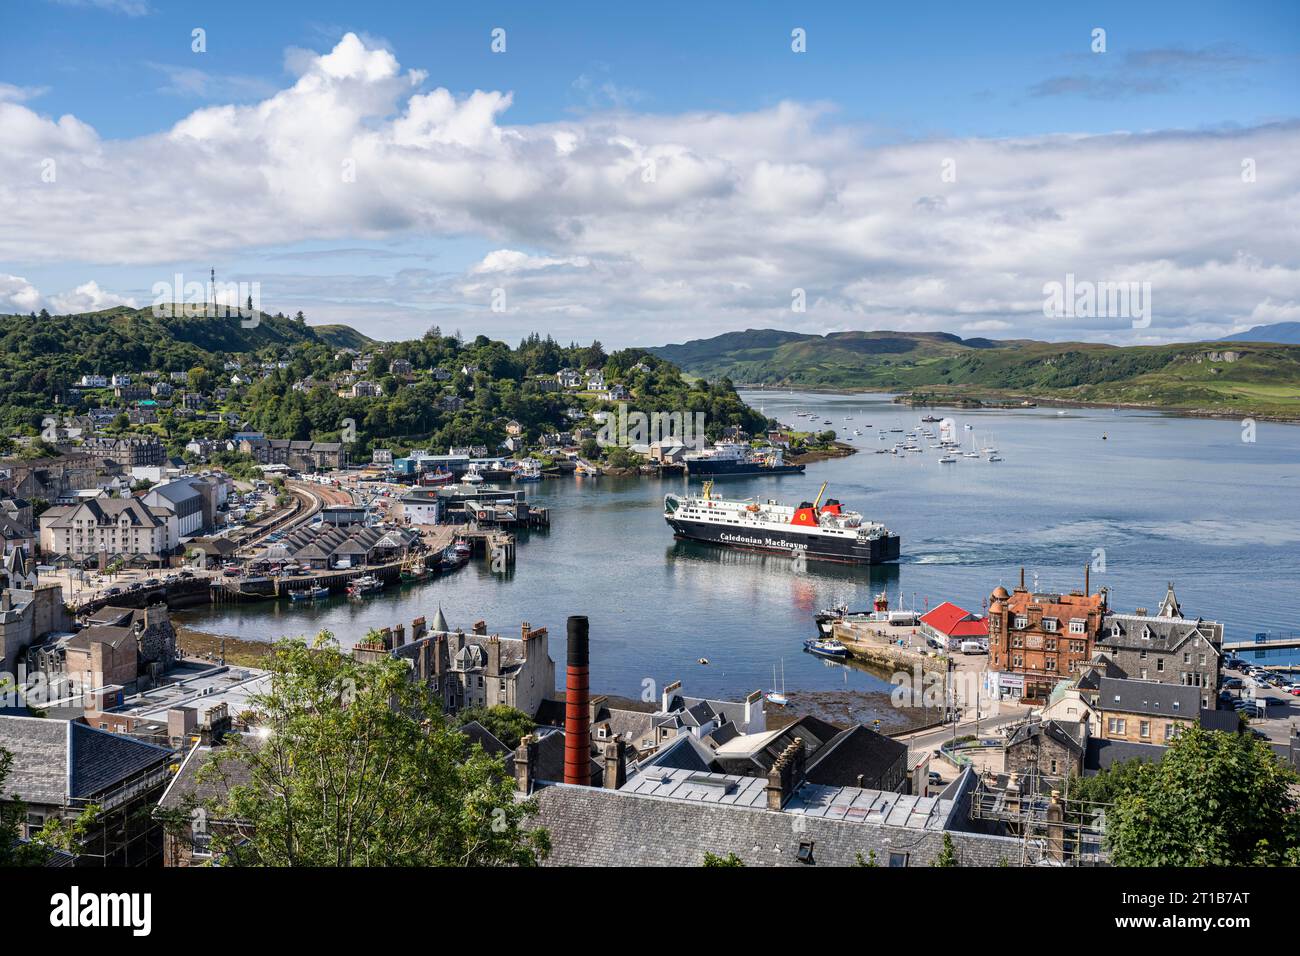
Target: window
{"points": [[1144, 728], [1078, 626], [1049, 624], [1115, 725], [1051, 644], [1051, 664], [1022, 622], [1160, 666], [898, 859]]}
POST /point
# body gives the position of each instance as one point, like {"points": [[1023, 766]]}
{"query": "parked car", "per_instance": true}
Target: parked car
{"points": [[151, 582], [113, 592], [935, 779], [1294, 690]]}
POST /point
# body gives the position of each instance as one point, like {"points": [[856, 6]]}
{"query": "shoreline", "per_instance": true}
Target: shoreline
{"points": [[977, 403]]}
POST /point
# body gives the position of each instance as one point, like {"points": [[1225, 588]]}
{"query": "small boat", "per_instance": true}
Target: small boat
{"points": [[825, 647], [948, 460], [995, 457], [703, 660], [363, 585], [472, 477], [774, 696], [310, 594], [931, 418], [529, 471]]}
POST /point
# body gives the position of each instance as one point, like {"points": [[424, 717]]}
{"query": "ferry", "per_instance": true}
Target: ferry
{"points": [[733, 459], [813, 531]]}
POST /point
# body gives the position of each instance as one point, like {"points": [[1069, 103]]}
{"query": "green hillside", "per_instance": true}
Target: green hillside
{"points": [[1225, 378]]}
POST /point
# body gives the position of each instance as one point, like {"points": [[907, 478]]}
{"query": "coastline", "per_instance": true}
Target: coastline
{"points": [[1012, 398]]}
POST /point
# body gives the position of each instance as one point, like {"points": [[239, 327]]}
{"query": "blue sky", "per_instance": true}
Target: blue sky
{"points": [[1177, 84]]}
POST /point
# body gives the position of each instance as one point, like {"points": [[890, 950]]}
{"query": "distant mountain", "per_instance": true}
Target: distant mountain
{"points": [[1255, 378], [1287, 333]]}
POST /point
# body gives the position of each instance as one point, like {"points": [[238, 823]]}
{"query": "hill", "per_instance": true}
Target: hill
{"points": [[1285, 332], [1250, 378], [42, 355]]}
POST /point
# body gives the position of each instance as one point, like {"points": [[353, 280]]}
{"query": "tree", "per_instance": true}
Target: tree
{"points": [[1215, 799], [506, 724], [948, 855], [356, 766], [712, 859]]}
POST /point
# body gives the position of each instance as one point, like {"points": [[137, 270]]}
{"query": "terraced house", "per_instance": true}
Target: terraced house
{"points": [[110, 527], [1165, 647]]}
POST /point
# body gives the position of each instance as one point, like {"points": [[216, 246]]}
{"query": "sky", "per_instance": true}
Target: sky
{"points": [[645, 174]]}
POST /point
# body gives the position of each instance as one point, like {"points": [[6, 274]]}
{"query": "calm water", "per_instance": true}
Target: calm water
{"points": [[1166, 498]]}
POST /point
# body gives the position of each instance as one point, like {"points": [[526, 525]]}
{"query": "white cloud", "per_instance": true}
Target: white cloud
{"points": [[19, 295], [649, 226]]}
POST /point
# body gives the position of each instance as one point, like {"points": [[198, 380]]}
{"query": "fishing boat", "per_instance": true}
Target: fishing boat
{"points": [[434, 478], [414, 569], [826, 647], [529, 470], [309, 594], [472, 477], [774, 696], [365, 584]]}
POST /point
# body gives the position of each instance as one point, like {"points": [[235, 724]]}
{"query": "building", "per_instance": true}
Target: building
{"points": [[109, 528], [1145, 712], [61, 767], [1167, 647], [332, 547], [475, 669], [1038, 639], [305, 456], [192, 501], [126, 452], [126, 649], [950, 625], [29, 613]]}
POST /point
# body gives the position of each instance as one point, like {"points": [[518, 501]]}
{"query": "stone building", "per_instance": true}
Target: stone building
{"points": [[1145, 712], [110, 527], [475, 669], [1166, 647], [1042, 638]]}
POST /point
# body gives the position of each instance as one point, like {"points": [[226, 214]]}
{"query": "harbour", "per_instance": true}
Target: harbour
{"points": [[1156, 501]]}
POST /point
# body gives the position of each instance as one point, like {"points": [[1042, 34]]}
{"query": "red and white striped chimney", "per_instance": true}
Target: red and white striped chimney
{"points": [[577, 714]]}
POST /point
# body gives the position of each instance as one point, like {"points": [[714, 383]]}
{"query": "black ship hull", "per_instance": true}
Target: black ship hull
{"points": [[738, 469], [790, 543]]}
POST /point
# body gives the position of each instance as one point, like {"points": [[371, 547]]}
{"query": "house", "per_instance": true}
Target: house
{"points": [[569, 378], [126, 452], [1166, 647], [60, 767], [1145, 712], [471, 669], [514, 428], [347, 546], [950, 625], [93, 381], [595, 379], [366, 389], [400, 366], [1037, 639]]}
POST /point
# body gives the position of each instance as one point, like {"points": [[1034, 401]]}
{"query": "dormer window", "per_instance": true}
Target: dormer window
{"points": [[1146, 633], [1022, 622], [1115, 630], [1049, 624]]}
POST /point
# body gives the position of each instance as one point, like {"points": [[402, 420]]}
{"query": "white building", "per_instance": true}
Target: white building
{"points": [[114, 526]]}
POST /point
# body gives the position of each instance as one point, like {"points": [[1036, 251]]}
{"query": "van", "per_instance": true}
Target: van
{"points": [[973, 647]]}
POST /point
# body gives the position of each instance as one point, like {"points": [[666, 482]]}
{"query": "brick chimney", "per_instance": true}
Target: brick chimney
{"points": [[577, 716], [494, 656], [399, 635]]}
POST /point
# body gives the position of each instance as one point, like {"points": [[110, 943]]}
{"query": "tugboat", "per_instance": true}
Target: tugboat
{"points": [[826, 647], [813, 531]]}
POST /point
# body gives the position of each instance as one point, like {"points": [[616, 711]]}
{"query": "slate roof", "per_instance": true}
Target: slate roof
{"points": [[186, 788], [1103, 754], [1166, 633], [56, 761], [857, 751], [1061, 733], [674, 822], [1148, 698]]}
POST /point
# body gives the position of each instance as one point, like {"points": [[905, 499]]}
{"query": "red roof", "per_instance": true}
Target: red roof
{"points": [[955, 621]]}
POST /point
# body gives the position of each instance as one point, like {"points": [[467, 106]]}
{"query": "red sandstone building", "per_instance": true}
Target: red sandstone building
{"points": [[1041, 639]]}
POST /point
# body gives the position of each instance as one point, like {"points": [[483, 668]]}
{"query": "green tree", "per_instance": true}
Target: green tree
{"points": [[506, 724], [1215, 799], [712, 859], [948, 855], [356, 766]]}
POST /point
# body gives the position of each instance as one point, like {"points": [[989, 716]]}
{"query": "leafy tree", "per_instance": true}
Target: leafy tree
{"points": [[712, 859], [1215, 799], [506, 724], [357, 767], [948, 855]]}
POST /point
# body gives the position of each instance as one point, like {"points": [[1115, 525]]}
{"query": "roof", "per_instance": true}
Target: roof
{"points": [[57, 761], [677, 816], [1060, 732], [853, 753], [1148, 698], [1156, 633], [947, 616], [1104, 754], [188, 788]]}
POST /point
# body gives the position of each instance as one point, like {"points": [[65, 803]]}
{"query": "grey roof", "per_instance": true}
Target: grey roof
{"points": [[1064, 734], [1228, 721], [1148, 698], [191, 786], [856, 752], [673, 822], [56, 761], [1103, 754], [1161, 633]]}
